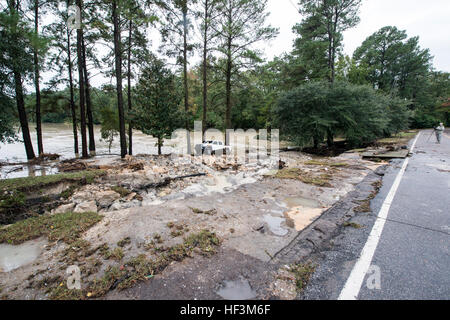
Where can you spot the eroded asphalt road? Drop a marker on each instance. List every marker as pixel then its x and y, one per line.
pixel 413 251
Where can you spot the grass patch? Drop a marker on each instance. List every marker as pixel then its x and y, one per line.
pixel 76 250
pixel 121 190
pixel 117 254
pixel 207 212
pixel 62 293
pixel 141 268
pixel 176 230
pixel 35 183
pixel 352 225
pixel 107 253
pixel 364 207
pixel 124 242
pixel 12 199
pixel 326 163
pixel 67 227
pixel 289 173
pixel 66 194
pixel 401 137
pixel 321 180
pixel 302 274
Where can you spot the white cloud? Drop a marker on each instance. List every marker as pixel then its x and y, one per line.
pixel 427 19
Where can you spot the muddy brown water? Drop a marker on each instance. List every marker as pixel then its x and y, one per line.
pixel 58 138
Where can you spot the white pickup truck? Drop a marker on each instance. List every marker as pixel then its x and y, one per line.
pixel 212 147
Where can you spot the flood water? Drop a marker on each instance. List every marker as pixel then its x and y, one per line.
pixel 58 138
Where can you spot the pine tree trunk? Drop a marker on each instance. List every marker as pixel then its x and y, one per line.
pixel 84 149
pixel 228 93
pixel 185 79
pixel 36 83
pixel 118 65
pixel 18 87
pixel 88 103
pixel 72 99
pixel 23 116
pixel 315 142
pixel 333 47
pixel 330 138
pixel 160 142
pixel 130 123
pixel 228 78
pixel 205 66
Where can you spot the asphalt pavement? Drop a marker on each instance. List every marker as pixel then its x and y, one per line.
pixel 412 256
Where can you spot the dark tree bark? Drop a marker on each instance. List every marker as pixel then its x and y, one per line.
pixel 118 67
pixel 205 67
pixel 160 143
pixel 228 83
pixel 23 115
pixel 185 75
pixel 36 83
pixel 130 123
pixel 72 99
pixel 330 138
pixel 84 149
pixel 18 88
pixel 87 89
pixel 315 142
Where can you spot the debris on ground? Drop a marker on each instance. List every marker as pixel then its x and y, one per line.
pixel 137 238
pixel 386 154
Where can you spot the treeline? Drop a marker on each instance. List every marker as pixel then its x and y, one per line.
pixel 388 85
pixel 313 94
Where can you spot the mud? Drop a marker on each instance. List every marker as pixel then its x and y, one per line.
pixel 254 214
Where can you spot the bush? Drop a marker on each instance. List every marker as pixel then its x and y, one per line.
pixel 319 110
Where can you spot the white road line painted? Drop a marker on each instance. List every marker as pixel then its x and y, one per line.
pixel 356 278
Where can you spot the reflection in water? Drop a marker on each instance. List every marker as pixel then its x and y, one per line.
pixel 9 172
pixel 275 225
pixel 237 290
pixel 58 138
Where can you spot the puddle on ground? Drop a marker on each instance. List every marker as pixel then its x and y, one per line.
pixel 236 290
pixel 299 201
pixel 13 257
pixel 217 183
pixel 20 171
pixel 302 211
pixel 274 224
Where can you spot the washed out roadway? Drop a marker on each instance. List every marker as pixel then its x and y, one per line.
pixel 413 251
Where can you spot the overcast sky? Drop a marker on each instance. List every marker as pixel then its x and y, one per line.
pixel 428 19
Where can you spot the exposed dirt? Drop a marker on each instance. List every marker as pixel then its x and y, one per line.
pixel 149 209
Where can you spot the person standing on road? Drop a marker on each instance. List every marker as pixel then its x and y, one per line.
pixel 439 130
